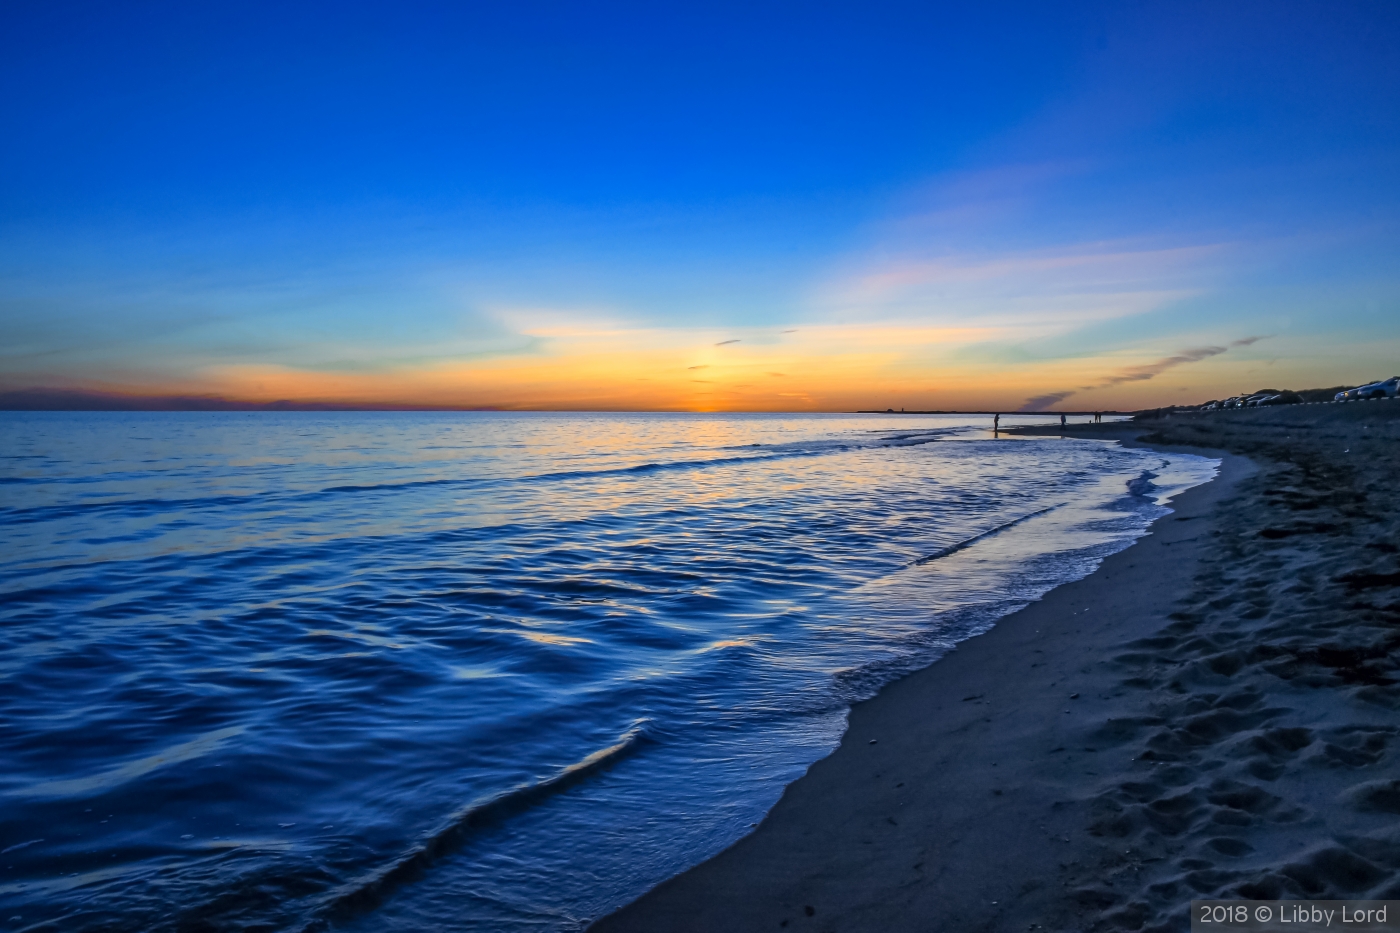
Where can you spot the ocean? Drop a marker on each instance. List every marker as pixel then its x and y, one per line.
pixel 444 671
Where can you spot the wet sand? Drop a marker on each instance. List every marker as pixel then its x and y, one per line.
pixel 1211 713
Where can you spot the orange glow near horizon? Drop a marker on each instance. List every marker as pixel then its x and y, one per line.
pixel 815 368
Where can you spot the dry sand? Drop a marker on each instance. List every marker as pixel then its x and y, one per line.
pixel 1211 713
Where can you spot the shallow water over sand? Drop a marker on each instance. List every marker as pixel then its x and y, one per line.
pixel 402 671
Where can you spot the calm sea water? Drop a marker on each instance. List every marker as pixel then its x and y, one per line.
pixel 483 671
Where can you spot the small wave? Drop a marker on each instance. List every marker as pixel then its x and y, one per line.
pixel 655 467
pixel 22 845
pixel 953 549
pixel 115 777
pixel 367 892
pixel 921 437
pixel 1142 484
pixel 415 484
pixel 25 515
pixel 920 649
pixel 638 469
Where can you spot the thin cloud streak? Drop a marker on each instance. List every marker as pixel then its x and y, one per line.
pixel 1042 402
pixel 1141 373
pixel 1046 291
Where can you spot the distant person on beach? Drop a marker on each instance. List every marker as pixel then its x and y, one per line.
pixel 1062 421
pixel 996 422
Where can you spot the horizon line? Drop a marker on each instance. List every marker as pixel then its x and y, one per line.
pixel 90 400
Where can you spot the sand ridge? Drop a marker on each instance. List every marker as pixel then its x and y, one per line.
pixel 1212 713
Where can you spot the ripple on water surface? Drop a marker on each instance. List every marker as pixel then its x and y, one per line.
pixel 400 671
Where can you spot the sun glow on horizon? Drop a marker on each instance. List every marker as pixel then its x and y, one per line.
pixel 923 210
pixel 816 368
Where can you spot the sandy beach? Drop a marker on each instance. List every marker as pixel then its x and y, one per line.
pixel 1211 713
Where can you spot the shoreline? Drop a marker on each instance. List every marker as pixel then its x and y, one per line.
pixel 1153 732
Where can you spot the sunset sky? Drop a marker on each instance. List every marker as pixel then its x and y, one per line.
pixel 759 206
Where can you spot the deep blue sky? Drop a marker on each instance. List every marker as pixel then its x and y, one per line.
pixel 178 107
pixel 500 204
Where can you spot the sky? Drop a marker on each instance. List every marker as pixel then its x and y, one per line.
pixel 794 207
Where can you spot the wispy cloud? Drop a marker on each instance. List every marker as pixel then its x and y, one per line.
pixel 1150 370
pixel 973 248
pixel 725 343
pixel 1045 291
pixel 1140 373
pixel 1042 402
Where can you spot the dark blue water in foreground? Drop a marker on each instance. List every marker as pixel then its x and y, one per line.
pixel 475 671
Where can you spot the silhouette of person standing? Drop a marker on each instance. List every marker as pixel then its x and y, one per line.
pixel 1062 421
pixel 996 423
